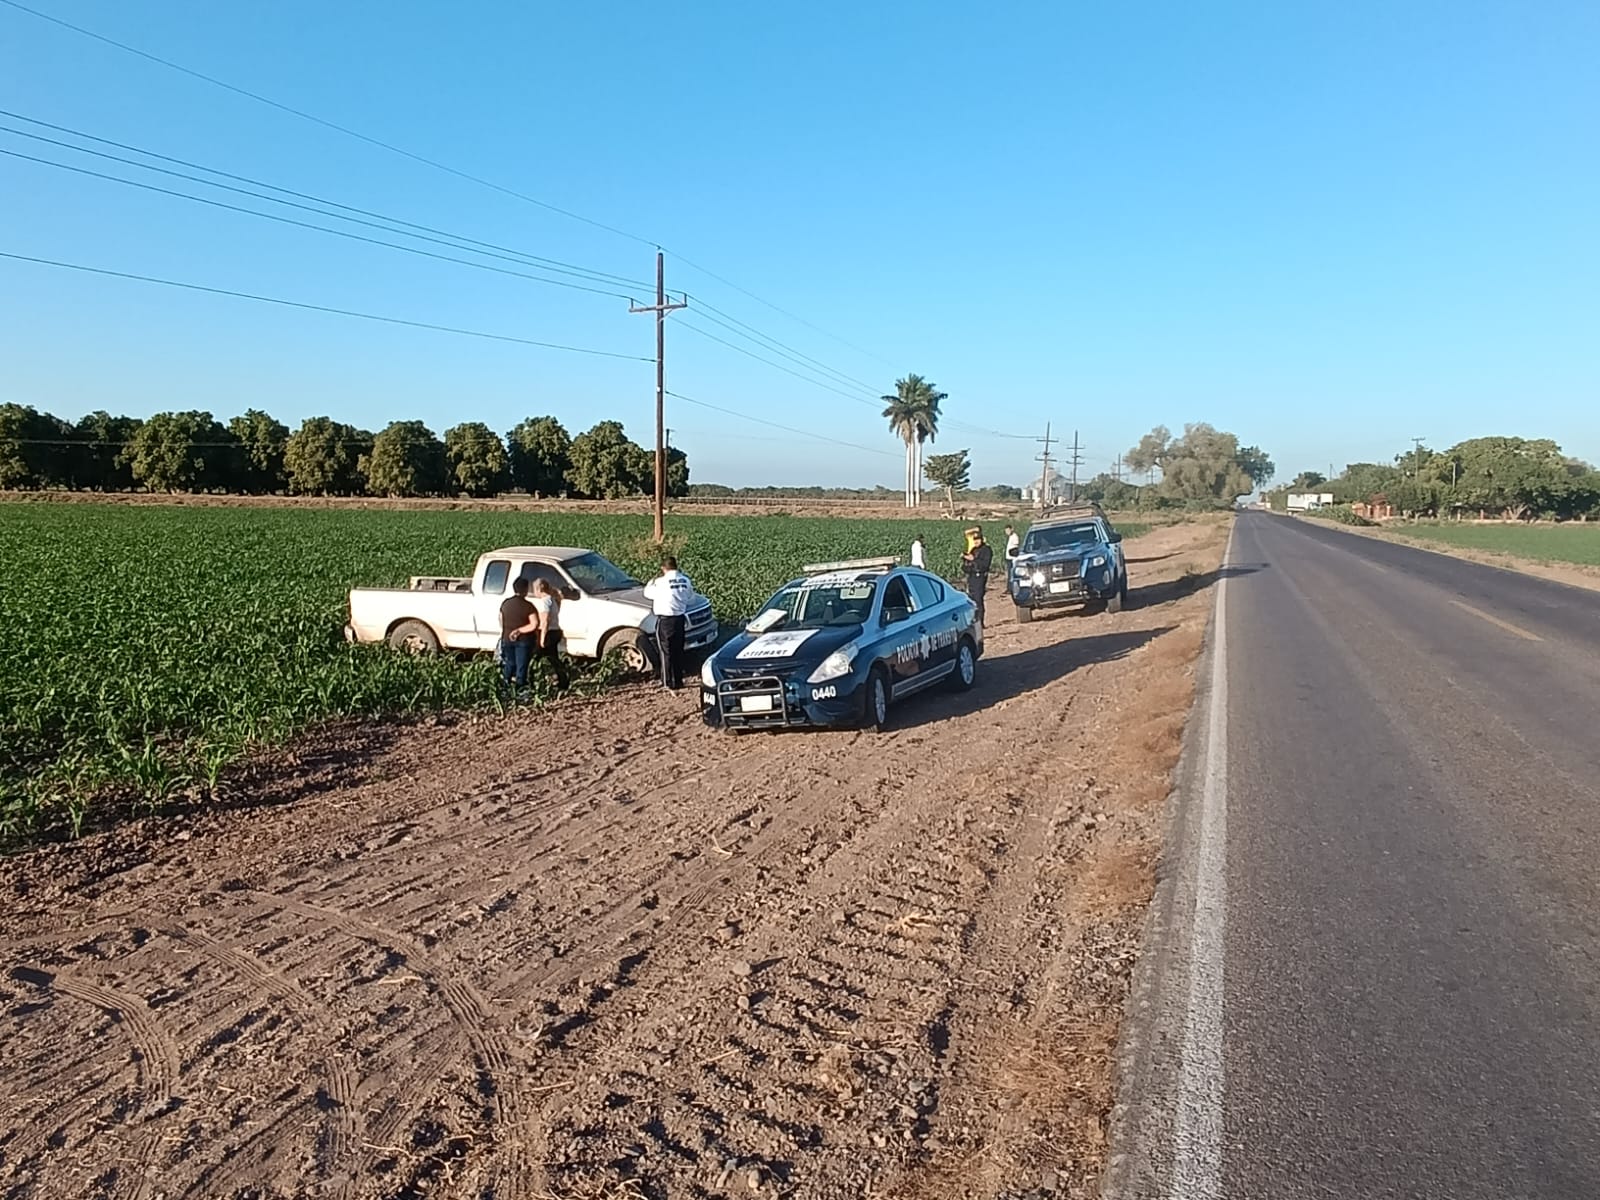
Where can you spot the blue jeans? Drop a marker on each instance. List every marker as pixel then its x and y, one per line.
pixel 514 656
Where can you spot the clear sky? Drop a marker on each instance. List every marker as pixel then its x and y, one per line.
pixel 1328 227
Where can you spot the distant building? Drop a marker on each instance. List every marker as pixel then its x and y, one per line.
pixel 1049 488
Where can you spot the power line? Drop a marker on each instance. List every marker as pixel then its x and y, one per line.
pixel 430 162
pixel 282 220
pixel 551 264
pixel 702 304
pixel 322 308
pixel 779 366
pixel 316 120
pixel 775 425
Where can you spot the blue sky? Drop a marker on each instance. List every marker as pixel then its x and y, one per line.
pixel 1326 227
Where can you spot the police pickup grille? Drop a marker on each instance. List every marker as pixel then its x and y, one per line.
pixel 1065 570
pixel 698 619
pixel 753 701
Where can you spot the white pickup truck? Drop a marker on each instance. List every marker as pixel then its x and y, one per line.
pixel 603 608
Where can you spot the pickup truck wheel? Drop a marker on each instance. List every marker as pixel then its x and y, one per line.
pixel 1114 603
pixel 961 679
pixel 1024 615
pixel 634 649
pixel 414 638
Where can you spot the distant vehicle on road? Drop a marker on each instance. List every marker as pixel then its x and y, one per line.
pixel 603 608
pixel 839 645
pixel 1071 557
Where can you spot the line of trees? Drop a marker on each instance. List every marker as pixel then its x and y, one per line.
pixel 1510 478
pixel 255 454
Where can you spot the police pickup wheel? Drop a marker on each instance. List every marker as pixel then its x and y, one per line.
pixel 1024 614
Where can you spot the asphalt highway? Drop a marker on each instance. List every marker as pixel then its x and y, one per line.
pixel 1373 964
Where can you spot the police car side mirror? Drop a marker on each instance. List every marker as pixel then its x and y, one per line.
pixel 1114 538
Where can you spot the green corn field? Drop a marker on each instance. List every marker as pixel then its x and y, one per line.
pixel 147 647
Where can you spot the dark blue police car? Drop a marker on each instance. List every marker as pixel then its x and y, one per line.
pixel 838 646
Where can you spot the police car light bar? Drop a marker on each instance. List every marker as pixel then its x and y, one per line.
pixel 852 564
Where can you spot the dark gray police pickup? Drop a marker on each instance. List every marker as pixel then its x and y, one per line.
pixel 1070 556
pixel 837 646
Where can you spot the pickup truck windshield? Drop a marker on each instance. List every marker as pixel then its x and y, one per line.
pixel 1059 537
pixel 813 606
pixel 595 574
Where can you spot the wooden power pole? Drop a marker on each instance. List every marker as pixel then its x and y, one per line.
pixel 1042 500
pixel 661 308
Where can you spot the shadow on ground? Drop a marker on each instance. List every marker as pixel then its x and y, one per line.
pixel 1006 676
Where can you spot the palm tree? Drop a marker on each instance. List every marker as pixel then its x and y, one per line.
pixel 913 416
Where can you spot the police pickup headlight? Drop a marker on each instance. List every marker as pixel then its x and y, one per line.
pixel 706 677
pixel 1095 560
pixel 836 664
pixel 1038 579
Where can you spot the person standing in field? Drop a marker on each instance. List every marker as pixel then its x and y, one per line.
pixel 547 614
pixel 1013 544
pixel 977 562
pixel 671 596
pixel 916 551
pixel 517 616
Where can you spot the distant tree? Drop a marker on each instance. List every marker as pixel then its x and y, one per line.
pixel 677 471
pixel 476 458
pixel 1151 452
pixel 407 459
pixel 1202 465
pixel 262 442
pixel 99 464
pixel 710 489
pixel 35 448
pixel 949 471
pixel 181 452
pixel 606 465
pixel 912 411
pixel 1253 461
pixel 323 458
pixel 541 454
pixel 1110 491
pixel 1307 480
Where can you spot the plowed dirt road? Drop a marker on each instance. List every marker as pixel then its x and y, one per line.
pixel 602 951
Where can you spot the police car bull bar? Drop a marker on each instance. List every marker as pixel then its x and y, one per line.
pixel 753 700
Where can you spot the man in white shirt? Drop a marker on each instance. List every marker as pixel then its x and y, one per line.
pixel 916 551
pixel 1013 543
pixel 671 595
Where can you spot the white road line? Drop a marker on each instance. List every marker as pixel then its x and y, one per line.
pixel 1197 1153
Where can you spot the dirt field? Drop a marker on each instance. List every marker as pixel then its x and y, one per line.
pixel 602 951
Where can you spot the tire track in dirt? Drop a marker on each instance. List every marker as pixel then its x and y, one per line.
pixel 344 1131
pixel 157 1063
pixel 499 1080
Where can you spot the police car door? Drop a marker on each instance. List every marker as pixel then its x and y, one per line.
pixel 901 641
pixel 938 623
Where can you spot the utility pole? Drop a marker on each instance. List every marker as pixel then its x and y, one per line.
pixel 1116 469
pixel 1076 459
pixel 661 308
pixel 1044 474
pixel 1416 458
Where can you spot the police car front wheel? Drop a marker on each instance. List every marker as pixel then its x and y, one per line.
pixel 966 666
pixel 875 702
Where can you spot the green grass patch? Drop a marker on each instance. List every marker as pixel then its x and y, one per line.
pixel 146 648
pixel 1568 543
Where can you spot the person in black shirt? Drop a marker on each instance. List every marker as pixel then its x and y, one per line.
pixel 517 617
pixel 977 562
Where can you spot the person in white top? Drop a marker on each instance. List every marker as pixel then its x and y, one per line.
pixel 547 612
pixel 1013 543
pixel 671 595
pixel 916 551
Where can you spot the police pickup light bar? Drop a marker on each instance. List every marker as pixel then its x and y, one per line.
pixel 853 564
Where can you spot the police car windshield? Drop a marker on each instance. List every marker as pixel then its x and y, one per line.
pixel 824 601
pixel 595 574
pixel 1059 537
